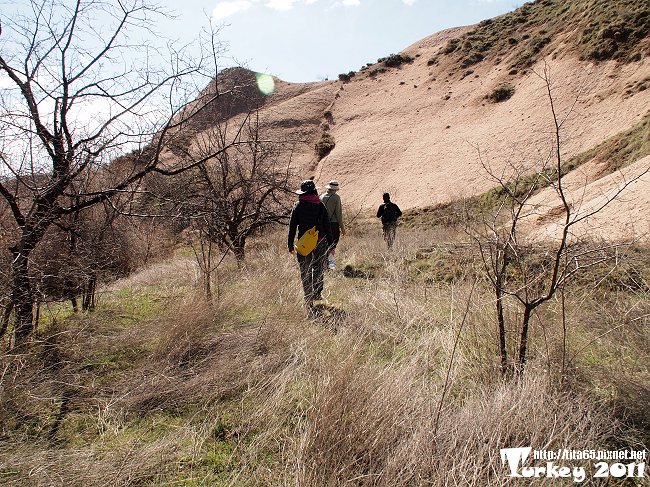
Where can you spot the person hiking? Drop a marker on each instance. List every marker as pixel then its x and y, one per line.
pixel 332 202
pixel 389 212
pixel 307 213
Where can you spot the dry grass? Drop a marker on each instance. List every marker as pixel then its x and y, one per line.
pixel 158 387
pixel 378 428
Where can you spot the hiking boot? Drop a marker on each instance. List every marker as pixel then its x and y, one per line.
pixel 331 263
pixel 314 311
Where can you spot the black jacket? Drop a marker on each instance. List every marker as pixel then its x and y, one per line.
pixel 306 215
pixel 389 212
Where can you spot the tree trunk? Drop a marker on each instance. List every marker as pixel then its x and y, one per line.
pixel 93 293
pixel 207 281
pixel 5 318
pixel 503 351
pixel 37 317
pixel 22 296
pixel 239 250
pixel 85 297
pixel 523 342
pixel 207 269
pixel 88 300
pixel 208 286
pixel 500 275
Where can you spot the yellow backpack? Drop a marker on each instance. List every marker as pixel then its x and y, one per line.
pixel 307 243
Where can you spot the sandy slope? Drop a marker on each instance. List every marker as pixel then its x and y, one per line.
pixel 621 200
pixel 427 134
pixel 398 133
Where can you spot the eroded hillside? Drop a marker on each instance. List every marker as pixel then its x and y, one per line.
pixel 425 124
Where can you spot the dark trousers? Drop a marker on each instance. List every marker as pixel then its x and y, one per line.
pixel 312 268
pixel 336 234
pixel 390 229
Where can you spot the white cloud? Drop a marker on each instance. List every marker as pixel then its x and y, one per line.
pixel 409 2
pixel 289 4
pixel 281 4
pixel 351 3
pixel 226 9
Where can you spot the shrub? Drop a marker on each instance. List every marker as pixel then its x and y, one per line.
pixel 525 59
pixel 501 93
pixel 539 42
pixel 395 60
pixel 325 145
pixel 451 46
pixel 473 58
pixel 345 77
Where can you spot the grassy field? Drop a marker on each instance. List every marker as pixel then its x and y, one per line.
pixel 397 384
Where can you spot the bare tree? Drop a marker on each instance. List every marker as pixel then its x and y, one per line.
pixel 241 190
pixel 533 274
pixel 86 83
pixel 94 248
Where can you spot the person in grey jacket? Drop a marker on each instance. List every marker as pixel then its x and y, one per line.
pixel 332 202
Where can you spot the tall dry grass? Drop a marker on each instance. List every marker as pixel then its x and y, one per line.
pixel 399 385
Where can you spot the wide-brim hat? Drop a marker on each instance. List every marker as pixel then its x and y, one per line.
pixel 333 184
pixel 306 186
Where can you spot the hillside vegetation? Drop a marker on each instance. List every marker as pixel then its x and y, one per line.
pixel 397 384
pixel 598 29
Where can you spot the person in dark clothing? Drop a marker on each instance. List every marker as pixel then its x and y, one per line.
pixel 389 212
pixel 307 213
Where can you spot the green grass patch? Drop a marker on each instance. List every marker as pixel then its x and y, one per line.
pixel 115 360
pixel 386 352
pixel 184 251
pixel 365 269
pixel 216 460
pixel 138 304
pixel 51 313
pixel 78 430
pixel 447 263
pixel 618 151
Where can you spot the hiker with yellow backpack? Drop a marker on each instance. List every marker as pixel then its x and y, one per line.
pixel 310 219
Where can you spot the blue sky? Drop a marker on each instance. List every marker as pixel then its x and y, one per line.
pixel 308 40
